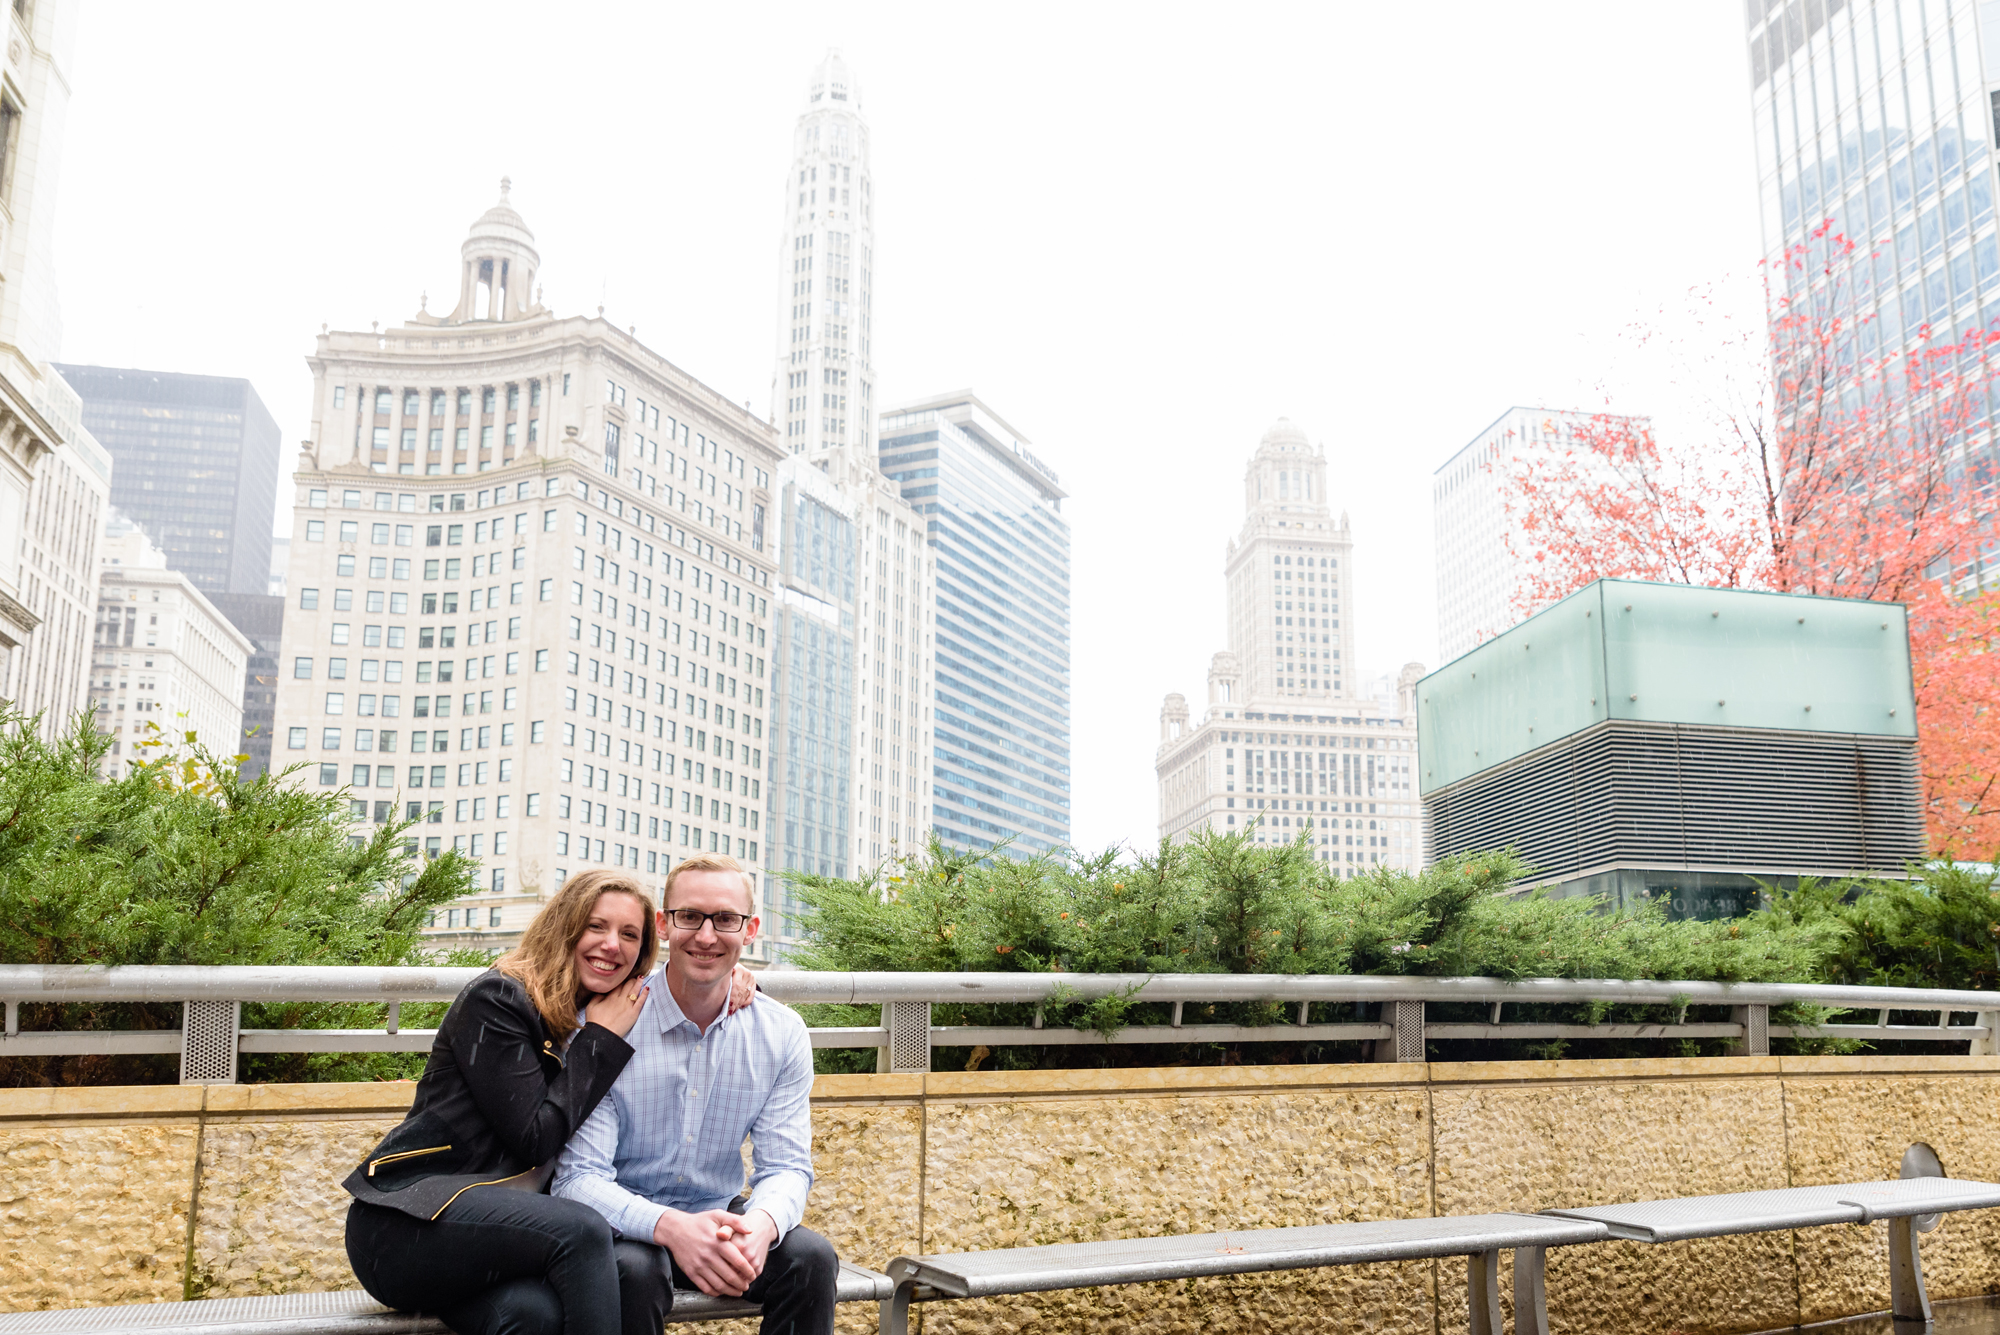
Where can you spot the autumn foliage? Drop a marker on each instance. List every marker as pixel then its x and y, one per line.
pixel 1839 473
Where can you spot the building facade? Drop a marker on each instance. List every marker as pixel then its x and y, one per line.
pixel 1478 568
pixel 823 387
pixel 53 478
pixel 196 459
pixel 992 517
pixel 1877 123
pixel 261 618
pixel 167 662
pixel 528 597
pixel 1291 742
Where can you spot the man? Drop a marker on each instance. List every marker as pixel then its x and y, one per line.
pixel 662 1156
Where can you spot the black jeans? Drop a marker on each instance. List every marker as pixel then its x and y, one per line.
pixel 796 1288
pixel 498 1262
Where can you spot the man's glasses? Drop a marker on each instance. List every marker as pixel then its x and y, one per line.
pixel 690 920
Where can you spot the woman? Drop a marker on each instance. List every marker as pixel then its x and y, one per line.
pixel 448 1215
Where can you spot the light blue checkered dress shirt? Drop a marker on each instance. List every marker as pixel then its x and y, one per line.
pixel 671 1131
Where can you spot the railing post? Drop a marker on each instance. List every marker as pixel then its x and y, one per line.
pixel 1988 1043
pixel 1406 1042
pixel 909 1025
pixel 208 1041
pixel 1756 1022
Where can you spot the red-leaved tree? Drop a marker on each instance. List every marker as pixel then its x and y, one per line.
pixel 1837 473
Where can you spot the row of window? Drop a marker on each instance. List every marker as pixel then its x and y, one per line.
pixel 625 856
pixel 461 438
pixel 317 498
pixel 421 740
pixel 425 706
pixel 413 399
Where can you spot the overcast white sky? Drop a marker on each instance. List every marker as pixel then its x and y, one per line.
pixel 1141 232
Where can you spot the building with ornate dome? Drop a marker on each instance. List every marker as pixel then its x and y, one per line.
pixel 1288 745
pixel 529 593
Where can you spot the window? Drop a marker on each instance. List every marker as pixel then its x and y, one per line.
pixel 315 530
pixel 302 669
pixel 309 600
pixel 295 739
pixel 329 776
pixel 336 702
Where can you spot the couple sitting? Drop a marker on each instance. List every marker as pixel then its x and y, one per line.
pixel 449 1214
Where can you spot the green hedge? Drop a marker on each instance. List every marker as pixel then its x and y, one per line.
pixel 1223 903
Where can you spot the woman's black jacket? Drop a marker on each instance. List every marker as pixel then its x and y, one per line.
pixel 499 1098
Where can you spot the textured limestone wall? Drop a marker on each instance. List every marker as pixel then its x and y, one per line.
pixel 94 1188
pixel 1025 1159
pixel 133 1195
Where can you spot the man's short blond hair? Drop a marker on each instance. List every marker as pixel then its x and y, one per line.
pixel 711 862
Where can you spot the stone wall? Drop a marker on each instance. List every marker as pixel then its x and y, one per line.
pixel 145 1194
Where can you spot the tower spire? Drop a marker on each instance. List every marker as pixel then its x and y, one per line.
pixel 823 382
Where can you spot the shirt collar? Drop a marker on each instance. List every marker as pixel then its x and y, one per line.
pixel 670 1013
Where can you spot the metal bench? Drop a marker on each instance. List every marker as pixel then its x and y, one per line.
pixel 350 1312
pixel 1478 1238
pixel 1911 1205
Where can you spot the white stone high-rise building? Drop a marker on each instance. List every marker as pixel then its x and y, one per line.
pixel 529 593
pixel 165 656
pixel 1478 569
pixel 54 479
pixel 1289 743
pixel 823 387
pixel 852 658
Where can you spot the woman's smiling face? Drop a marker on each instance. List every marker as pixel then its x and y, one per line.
pixel 610 942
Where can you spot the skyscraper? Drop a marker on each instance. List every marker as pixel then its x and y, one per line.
pixel 849 769
pixel 529 593
pixel 1478 573
pixel 1290 741
pixel 993 519
pixel 168 659
pixel 1876 116
pixel 823 388
pixel 54 479
pixel 197 467
pixel 261 619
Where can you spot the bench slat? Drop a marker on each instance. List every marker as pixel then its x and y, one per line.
pixel 1786 1207
pixel 347 1312
pixel 1139 1260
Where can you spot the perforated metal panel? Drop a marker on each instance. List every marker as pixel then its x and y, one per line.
pixel 208 1042
pixel 909 1035
pixel 1408 1018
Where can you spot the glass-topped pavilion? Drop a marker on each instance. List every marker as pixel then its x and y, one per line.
pixel 1652 740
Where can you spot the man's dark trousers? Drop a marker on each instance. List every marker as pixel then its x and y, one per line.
pixel 796 1288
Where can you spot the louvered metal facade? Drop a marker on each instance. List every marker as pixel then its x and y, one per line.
pixel 1629 794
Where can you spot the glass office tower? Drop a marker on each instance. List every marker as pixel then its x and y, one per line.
pixel 1874 120
pixel 813 618
pixel 994 518
pixel 195 464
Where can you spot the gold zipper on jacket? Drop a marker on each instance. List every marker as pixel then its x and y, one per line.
pixel 525 1172
pixel 406 1154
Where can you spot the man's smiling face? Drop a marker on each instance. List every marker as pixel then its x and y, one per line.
pixel 704 957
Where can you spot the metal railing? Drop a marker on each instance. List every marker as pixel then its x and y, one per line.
pixel 211 1035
